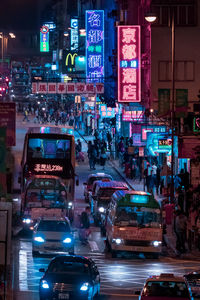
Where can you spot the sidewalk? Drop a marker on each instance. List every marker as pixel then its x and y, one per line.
pixel 170 237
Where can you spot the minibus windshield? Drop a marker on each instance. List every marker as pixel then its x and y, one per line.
pixel 137 217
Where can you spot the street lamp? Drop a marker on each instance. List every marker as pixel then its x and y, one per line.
pixel 4 42
pixel 150 17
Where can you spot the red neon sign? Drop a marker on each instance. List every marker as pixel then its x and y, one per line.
pixel 129 66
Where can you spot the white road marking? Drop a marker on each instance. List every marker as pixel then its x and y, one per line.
pixel 23 286
pixel 93 246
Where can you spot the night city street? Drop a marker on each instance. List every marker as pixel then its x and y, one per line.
pixel 99 149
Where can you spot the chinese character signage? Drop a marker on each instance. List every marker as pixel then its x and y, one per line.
pixel 129 64
pixel 95 45
pixel 8 120
pixel 44 39
pixel 74 34
pixel 134 115
pixel 106 112
pixel 67 88
pixel 47 168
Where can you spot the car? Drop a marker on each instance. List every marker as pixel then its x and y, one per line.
pixel 100 198
pixel 91 178
pixel 165 286
pixel 70 277
pixel 193 280
pixel 52 235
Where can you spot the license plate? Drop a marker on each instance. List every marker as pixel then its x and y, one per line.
pixel 138 249
pixel 63 296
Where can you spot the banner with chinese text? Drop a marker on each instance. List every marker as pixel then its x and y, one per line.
pixel 67 88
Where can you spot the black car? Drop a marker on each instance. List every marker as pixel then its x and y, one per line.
pixel 193 279
pixel 70 277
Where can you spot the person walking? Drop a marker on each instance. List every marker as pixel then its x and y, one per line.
pixel 25 115
pixel 103 157
pixel 85 225
pixel 180 230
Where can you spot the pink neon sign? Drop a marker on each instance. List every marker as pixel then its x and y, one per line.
pixel 129 66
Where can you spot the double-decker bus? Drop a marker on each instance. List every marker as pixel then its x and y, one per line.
pixel 49 151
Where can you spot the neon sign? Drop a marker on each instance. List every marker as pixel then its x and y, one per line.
pixel 44 39
pixel 152 128
pixel 74 34
pixel 134 115
pixel 106 112
pixel 95 45
pixel 47 168
pixel 129 66
pixel 196 124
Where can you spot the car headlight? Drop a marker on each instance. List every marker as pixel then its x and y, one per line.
pixel 39 239
pixel 101 209
pixel 44 284
pixel 117 241
pixel 27 221
pixel 67 240
pixel 156 243
pixel 84 287
pixel 70 204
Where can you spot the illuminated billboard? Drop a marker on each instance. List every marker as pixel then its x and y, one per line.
pixel 129 64
pixel 44 39
pixel 94 45
pixel 74 34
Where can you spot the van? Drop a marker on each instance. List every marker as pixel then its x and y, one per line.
pixel 133 223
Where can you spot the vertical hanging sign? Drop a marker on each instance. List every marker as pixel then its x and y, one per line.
pixel 129 64
pixel 44 39
pixel 74 34
pixel 95 45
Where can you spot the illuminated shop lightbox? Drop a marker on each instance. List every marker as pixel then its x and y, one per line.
pixel 44 39
pixel 161 143
pixel 74 34
pixel 94 45
pixel 129 64
pixel 152 128
pixel 106 112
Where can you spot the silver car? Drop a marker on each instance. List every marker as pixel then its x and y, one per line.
pixel 52 235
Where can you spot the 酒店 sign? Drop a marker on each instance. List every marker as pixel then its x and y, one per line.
pixel 67 88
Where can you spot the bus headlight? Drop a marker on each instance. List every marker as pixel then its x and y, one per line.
pixel 70 204
pixel 118 241
pixel 101 209
pixel 156 243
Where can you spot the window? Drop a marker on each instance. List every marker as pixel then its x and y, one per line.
pixel 184 71
pixel 184 12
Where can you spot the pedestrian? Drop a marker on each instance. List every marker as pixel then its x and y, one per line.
pixel 84 231
pixel 103 157
pixel 25 115
pixel 92 154
pixel 180 230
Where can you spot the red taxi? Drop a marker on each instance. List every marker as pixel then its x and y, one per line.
pixel 90 180
pixel 165 287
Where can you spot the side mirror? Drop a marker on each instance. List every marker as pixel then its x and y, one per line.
pixel 42 270
pixel 137 293
pixel 77 182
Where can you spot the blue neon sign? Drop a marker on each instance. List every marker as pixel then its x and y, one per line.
pixel 95 45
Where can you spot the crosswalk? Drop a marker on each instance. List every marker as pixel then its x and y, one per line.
pixel 121 275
